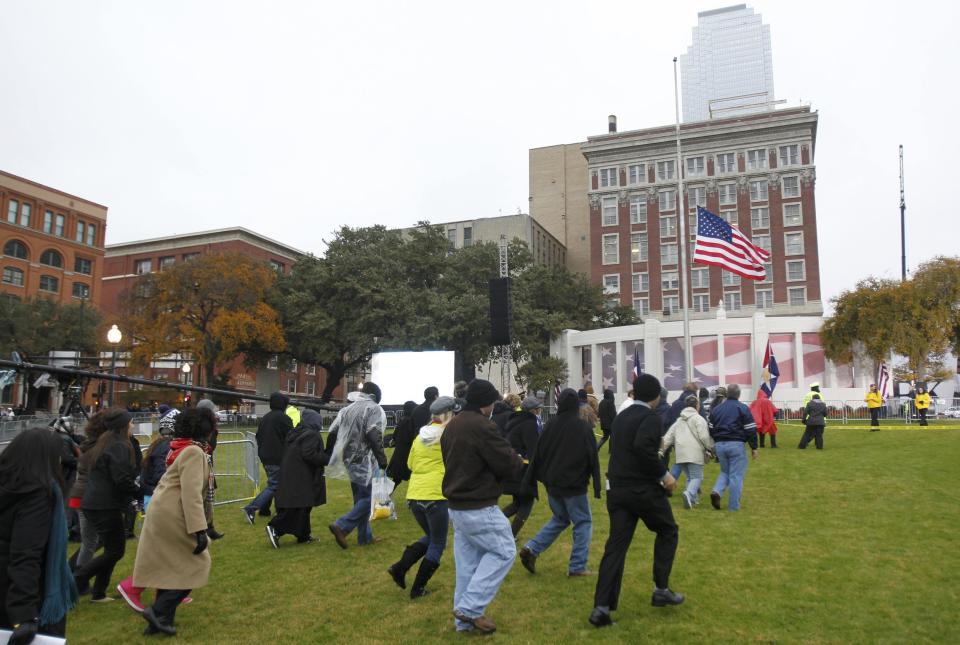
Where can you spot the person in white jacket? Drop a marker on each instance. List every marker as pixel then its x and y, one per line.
pixel 692 438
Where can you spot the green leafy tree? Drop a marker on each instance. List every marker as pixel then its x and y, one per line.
pixel 339 310
pixel 37 326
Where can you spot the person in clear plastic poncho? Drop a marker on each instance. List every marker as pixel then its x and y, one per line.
pixel 357 437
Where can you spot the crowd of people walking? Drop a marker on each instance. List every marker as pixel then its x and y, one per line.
pixel 458 454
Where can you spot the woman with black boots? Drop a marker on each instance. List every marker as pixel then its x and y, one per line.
pixel 172 556
pixel 426 501
pixel 36 588
pixel 111 487
pixel 302 484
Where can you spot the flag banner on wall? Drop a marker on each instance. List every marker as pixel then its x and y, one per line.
pixel 883 380
pixel 723 245
pixel 636 362
pixel 770 372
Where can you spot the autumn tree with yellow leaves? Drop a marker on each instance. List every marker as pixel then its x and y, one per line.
pixel 213 308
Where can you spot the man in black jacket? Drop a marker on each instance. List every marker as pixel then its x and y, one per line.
pixel 565 459
pixel 271 441
pixel 638 484
pixel 607 413
pixel 476 460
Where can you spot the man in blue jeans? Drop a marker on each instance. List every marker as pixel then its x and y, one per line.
pixel 731 426
pixel 271 440
pixel 565 459
pixel 477 459
pixel 357 449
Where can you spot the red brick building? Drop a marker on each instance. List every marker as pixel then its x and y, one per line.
pixel 755 171
pixel 52 242
pixel 125 262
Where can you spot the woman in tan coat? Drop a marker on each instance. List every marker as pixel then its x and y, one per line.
pixel 172 555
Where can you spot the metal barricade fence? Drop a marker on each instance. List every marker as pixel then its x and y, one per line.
pixel 236 467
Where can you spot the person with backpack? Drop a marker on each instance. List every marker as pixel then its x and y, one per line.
pixel 691 436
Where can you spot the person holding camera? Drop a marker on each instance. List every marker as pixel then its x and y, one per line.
pixel 172 555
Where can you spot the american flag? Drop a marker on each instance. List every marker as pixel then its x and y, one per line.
pixel 720 244
pixel 883 380
pixel 556 392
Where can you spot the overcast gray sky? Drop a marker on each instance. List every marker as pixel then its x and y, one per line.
pixel 294 118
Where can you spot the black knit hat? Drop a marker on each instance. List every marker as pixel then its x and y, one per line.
pixel 117 419
pixel 481 393
pixel 372 389
pixel 646 387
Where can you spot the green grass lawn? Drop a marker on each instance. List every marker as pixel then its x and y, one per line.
pixel 854 544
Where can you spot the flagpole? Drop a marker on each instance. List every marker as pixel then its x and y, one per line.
pixel 684 242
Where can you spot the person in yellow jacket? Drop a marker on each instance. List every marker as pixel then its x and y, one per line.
pixel 923 404
pixel 814 389
pixel 426 501
pixel 874 402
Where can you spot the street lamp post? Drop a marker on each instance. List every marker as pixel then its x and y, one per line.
pixel 186 374
pixel 114 337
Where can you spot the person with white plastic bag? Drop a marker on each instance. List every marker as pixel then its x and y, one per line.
pixel 358 451
pixel 381 504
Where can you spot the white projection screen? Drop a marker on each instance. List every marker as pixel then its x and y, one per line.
pixel 403 376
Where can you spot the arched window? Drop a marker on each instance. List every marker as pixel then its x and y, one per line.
pixel 49 283
pixel 13 275
pixel 16 249
pixel 51 258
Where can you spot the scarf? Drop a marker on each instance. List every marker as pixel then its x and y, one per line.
pixel 177 446
pixel 59 589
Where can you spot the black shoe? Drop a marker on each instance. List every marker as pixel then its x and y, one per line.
pixel 272 536
pixel 424 573
pixel 158 623
pixel 600 618
pixel 150 630
pixel 715 500
pixel 306 540
pixel 214 534
pixel 249 516
pixel 528 559
pixel 664 597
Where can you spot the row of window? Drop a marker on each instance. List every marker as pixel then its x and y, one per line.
pixel 311 387
pixel 696 196
pixel 759 218
pixel 796 297
pixel 50 257
pixel 53 223
pixel 142 267
pixel 51 284
pixel 669 251
pixel 310 369
pixel 725 163
pixel 796 271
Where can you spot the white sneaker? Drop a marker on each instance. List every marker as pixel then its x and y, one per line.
pixel 687 502
pixel 272 535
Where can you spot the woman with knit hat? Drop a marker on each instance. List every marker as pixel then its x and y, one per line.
pixel 111 487
pixel 426 501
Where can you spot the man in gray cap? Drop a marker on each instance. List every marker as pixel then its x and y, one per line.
pixel 476 461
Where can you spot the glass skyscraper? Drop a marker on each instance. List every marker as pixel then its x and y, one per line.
pixel 730 56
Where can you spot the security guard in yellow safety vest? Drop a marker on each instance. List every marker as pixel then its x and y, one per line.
pixel 814 389
pixel 923 404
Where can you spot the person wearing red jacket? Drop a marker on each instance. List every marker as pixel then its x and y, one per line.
pixel 764 413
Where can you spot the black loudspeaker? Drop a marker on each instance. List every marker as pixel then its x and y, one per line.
pixel 501 311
